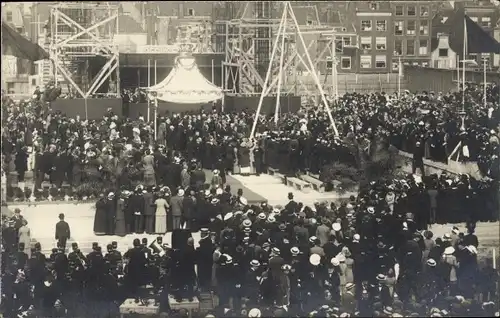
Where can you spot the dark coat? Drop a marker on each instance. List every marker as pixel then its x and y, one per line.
pixel 62 230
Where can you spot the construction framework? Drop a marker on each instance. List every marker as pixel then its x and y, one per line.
pixel 288 22
pixel 242 68
pixel 80 31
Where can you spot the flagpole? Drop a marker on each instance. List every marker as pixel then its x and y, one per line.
pixel 484 80
pixel 463 74
pixel 156 101
pixel 463 64
pixel 400 73
pixel 149 85
pixel 213 74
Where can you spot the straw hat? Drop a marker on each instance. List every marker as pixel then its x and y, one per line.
pixel 315 259
pixel 335 261
pixel 449 250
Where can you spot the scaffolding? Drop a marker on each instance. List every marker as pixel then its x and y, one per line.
pixel 80 33
pixel 246 40
pixel 279 44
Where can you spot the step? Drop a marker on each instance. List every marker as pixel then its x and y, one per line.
pixel 315 183
pixel 298 184
pixel 272 171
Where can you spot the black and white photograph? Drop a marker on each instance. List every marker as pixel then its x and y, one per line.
pixel 210 159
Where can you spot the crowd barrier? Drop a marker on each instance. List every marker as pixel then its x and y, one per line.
pixel 92 108
pixel 134 110
pixel 241 103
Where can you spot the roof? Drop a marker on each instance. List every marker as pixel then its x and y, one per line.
pixel 452 23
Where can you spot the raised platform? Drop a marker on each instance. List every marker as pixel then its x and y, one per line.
pixel 185 304
pixel 130 307
pixel 431 167
pixel 251 196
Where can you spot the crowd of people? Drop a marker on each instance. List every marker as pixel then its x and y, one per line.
pixel 374 255
pixel 370 256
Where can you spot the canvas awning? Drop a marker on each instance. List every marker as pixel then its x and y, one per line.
pixel 186 85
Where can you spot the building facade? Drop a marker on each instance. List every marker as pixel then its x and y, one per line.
pixel 390 31
pixel 486 15
pixel 15 71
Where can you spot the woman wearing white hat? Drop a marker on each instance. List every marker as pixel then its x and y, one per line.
pixel 161 214
pixel 450 260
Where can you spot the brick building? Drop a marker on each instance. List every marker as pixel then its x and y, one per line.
pixel 392 30
pixel 486 15
pixel 447 38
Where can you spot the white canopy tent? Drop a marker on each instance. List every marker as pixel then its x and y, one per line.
pixel 185 84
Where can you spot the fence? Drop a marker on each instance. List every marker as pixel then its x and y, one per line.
pixel 349 83
pixel 442 80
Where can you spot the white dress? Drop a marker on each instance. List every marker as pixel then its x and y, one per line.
pixel 161 216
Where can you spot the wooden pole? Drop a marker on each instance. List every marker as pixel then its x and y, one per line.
pixel 268 75
pixel 484 81
pixel 213 70
pixel 280 73
pixel 156 104
pixel 149 85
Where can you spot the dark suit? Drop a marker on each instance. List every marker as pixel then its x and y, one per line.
pixel 149 212
pixel 204 261
pixel 62 233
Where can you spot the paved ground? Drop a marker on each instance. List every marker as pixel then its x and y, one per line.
pixel 42 218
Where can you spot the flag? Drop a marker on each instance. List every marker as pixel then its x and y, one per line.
pixel 17 45
pixel 478 40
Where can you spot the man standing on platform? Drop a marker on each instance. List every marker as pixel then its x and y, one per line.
pixel 176 209
pixel 62 232
pixel 205 260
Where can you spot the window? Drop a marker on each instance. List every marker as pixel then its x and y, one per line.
pixel 345 62
pixel 398 27
pixel 412 11
pixel 381 43
pixel 366 43
pixel 475 19
pixel 381 61
pixel 366 61
pixel 191 12
pixel 424 11
pixel 410 47
pixel 373 5
pixel 399 10
pixel 411 27
pixel 486 22
pixel 329 65
pixel 443 52
pixel 398 47
pixel 366 25
pixel 381 26
pixel 395 65
pixel 424 27
pixel 8 16
pixel 346 40
pixel 339 47
pixel 309 22
pixel 33 81
pixel 422 48
pixel 485 60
